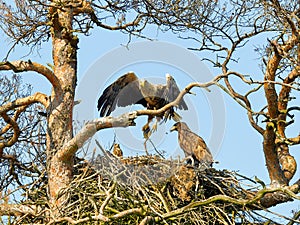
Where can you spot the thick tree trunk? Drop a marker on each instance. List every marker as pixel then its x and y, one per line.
pixel 275 172
pixel 269 145
pixel 281 165
pixel 60 129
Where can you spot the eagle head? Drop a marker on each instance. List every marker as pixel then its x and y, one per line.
pixel 169 77
pixel 176 126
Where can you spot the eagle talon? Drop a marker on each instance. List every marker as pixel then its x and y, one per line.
pixel 147 134
pixel 146 131
pixel 190 160
pixel 154 127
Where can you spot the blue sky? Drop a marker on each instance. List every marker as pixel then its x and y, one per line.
pixel 241 146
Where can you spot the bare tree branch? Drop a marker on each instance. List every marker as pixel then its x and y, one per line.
pixel 256 199
pixel 18 210
pixel 15 136
pixel 176 102
pixel 23 66
pixel 91 128
pixel 134 23
pixel 15 117
pixel 294 140
pixel 36 98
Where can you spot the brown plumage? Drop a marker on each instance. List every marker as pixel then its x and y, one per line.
pixel 193 145
pixel 129 89
pixel 117 151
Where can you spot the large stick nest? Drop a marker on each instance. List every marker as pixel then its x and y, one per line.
pixel 149 190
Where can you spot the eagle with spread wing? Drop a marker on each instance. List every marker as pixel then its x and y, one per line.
pixel 193 145
pixel 129 89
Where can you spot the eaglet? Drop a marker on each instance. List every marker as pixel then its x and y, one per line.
pixel 193 145
pixel 129 89
pixel 117 151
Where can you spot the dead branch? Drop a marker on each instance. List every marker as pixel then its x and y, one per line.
pixel 92 127
pixel 72 221
pixel 176 102
pixel 15 136
pixel 134 23
pixel 140 211
pixel 23 66
pixel 286 83
pixel 242 202
pixel 18 210
pixel 146 220
pixel 294 140
pixel 36 98
pixel 15 117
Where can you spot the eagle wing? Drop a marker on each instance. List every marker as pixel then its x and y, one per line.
pixel 201 151
pixel 123 92
pixel 172 91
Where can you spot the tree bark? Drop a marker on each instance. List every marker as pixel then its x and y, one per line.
pixel 18 210
pixel 272 162
pixel 59 130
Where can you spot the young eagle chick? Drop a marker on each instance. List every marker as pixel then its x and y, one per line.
pixel 193 145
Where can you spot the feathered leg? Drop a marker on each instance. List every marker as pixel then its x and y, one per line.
pixel 146 128
pixel 147 132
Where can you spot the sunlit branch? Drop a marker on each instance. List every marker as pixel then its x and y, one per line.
pixel 283 100
pixel 17 209
pixel 91 128
pixel 36 98
pixel 258 196
pixel 15 117
pixel 294 140
pixel 23 66
pixel 176 102
pixel 15 136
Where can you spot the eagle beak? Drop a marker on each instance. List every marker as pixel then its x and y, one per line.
pixel 168 76
pixel 173 128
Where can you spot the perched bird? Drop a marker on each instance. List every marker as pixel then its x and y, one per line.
pixel 193 145
pixel 117 151
pixel 129 89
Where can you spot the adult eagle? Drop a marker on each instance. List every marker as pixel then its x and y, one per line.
pixel 129 89
pixel 193 145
